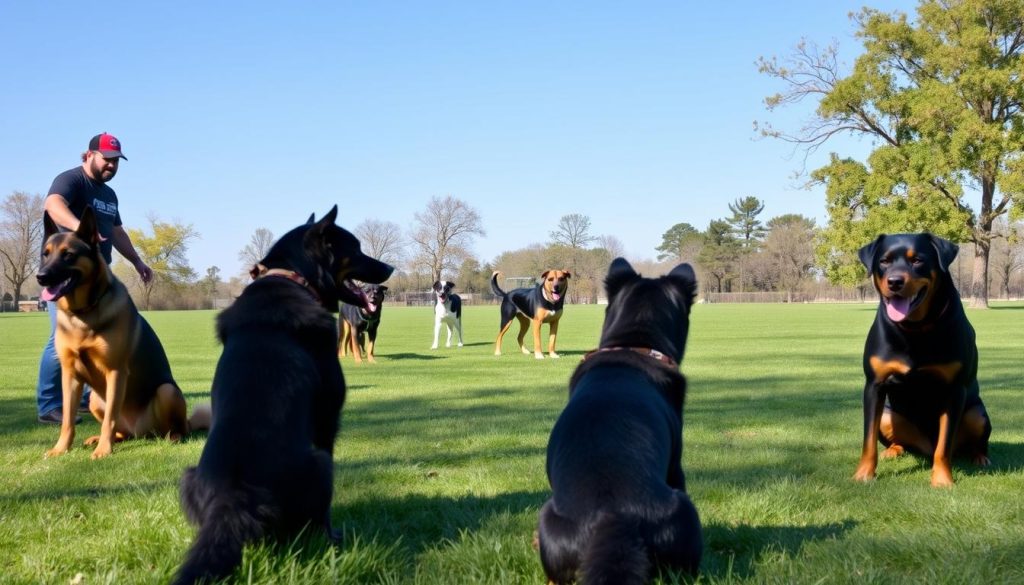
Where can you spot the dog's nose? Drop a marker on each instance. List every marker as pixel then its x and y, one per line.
pixel 896 283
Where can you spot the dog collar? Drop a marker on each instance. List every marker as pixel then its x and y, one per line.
pixel 647 351
pixel 259 271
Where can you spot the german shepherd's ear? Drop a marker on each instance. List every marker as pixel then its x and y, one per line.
pixel 867 253
pixel 49 227
pixel 684 276
pixel 87 230
pixel 620 272
pixel 319 228
pixel 947 251
pixel 312 218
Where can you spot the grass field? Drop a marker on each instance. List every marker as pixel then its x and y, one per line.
pixel 440 461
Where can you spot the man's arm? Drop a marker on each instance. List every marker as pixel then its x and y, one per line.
pixel 60 213
pixel 123 244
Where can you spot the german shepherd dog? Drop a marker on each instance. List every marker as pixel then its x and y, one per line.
pixel 267 467
pixel 619 505
pixel 358 325
pixel 103 341
pixel 538 305
pixel 920 362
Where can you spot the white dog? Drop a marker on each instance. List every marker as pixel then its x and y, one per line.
pixel 447 311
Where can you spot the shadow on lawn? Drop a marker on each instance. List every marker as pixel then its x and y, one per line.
pixel 732 551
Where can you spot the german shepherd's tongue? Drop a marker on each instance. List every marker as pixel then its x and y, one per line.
pixel 897 308
pixel 52 293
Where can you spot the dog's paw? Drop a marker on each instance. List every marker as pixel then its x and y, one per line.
pixel 433 347
pixel 539 356
pixel 55 452
pixel 524 350
pixel 460 344
pixel 101 451
pixel 942 477
pixel 864 473
pixel 981 460
pixel 91 440
pixel 892 452
pixel 554 355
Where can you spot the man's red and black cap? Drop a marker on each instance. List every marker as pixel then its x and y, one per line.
pixel 107 145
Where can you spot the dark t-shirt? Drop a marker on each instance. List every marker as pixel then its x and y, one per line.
pixel 80 191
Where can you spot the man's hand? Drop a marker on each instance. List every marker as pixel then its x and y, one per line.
pixel 145 272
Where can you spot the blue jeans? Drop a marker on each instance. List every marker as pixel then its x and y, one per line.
pixel 49 393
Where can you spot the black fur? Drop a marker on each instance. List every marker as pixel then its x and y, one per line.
pixel 619 504
pixel 267 467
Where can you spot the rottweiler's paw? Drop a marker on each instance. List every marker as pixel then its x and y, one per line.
pixel 893 452
pixel 981 460
pixel 864 474
pixel 55 452
pixel 942 478
pixel 103 450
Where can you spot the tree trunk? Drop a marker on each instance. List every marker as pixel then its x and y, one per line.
pixel 982 244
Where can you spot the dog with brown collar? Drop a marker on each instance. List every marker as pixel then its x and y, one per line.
pixel 538 305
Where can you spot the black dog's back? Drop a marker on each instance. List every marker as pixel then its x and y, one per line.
pixel 619 504
pixel 267 467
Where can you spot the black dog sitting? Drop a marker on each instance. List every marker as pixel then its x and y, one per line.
pixel 920 360
pixel 619 503
pixel 358 327
pixel 267 467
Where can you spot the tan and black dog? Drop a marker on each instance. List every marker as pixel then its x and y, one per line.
pixel 920 360
pixel 357 326
pixel 103 341
pixel 538 305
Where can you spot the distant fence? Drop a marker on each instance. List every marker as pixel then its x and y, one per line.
pixel 832 296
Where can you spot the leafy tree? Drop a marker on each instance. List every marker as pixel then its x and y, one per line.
pixel 681 243
pixel 744 221
pixel 382 240
pixel 719 254
pixel 443 233
pixel 21 235
pixel 259 244
pixel 941 98
pixel 166 252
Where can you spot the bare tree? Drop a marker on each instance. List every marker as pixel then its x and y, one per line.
pixel 442 234
pixel 259 244
pixel 21 235
pixel 613 245
pixel 573 230
pixel 382 240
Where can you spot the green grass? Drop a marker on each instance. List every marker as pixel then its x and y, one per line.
pixel 440 461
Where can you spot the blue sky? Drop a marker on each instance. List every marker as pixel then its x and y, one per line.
pixel 239 116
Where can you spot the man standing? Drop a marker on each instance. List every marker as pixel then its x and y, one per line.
pixel 72 191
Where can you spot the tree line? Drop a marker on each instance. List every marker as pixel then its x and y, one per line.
pixel 938 96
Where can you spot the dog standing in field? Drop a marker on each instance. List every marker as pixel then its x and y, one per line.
pixel 267 467
pixel 921 355
pixel 103 341
pixel 538 305
pixel 447 312
pixel 619 503
pixel 358 325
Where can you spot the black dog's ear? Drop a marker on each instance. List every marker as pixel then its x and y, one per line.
pixel 383 289
pixel 867 253
pixel 947 251
pixel 320 228
pixel 619 273
pixel 87 227
pixel 687 279
pixel 436 285
pixel 312 218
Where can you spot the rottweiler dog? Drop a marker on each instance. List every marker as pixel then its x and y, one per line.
pixel 267 468
pixel 103 341
pixel 537 305
pixel 921 357
pixel 358 327
pixel 447 312
pixel 619 505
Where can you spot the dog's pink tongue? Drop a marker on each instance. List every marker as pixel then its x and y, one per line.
pixel 47 294
pixel 555 296
pixel 897 308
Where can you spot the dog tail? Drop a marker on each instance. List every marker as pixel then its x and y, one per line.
pixel 227 519
pixel 616 553
pixel 494 285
